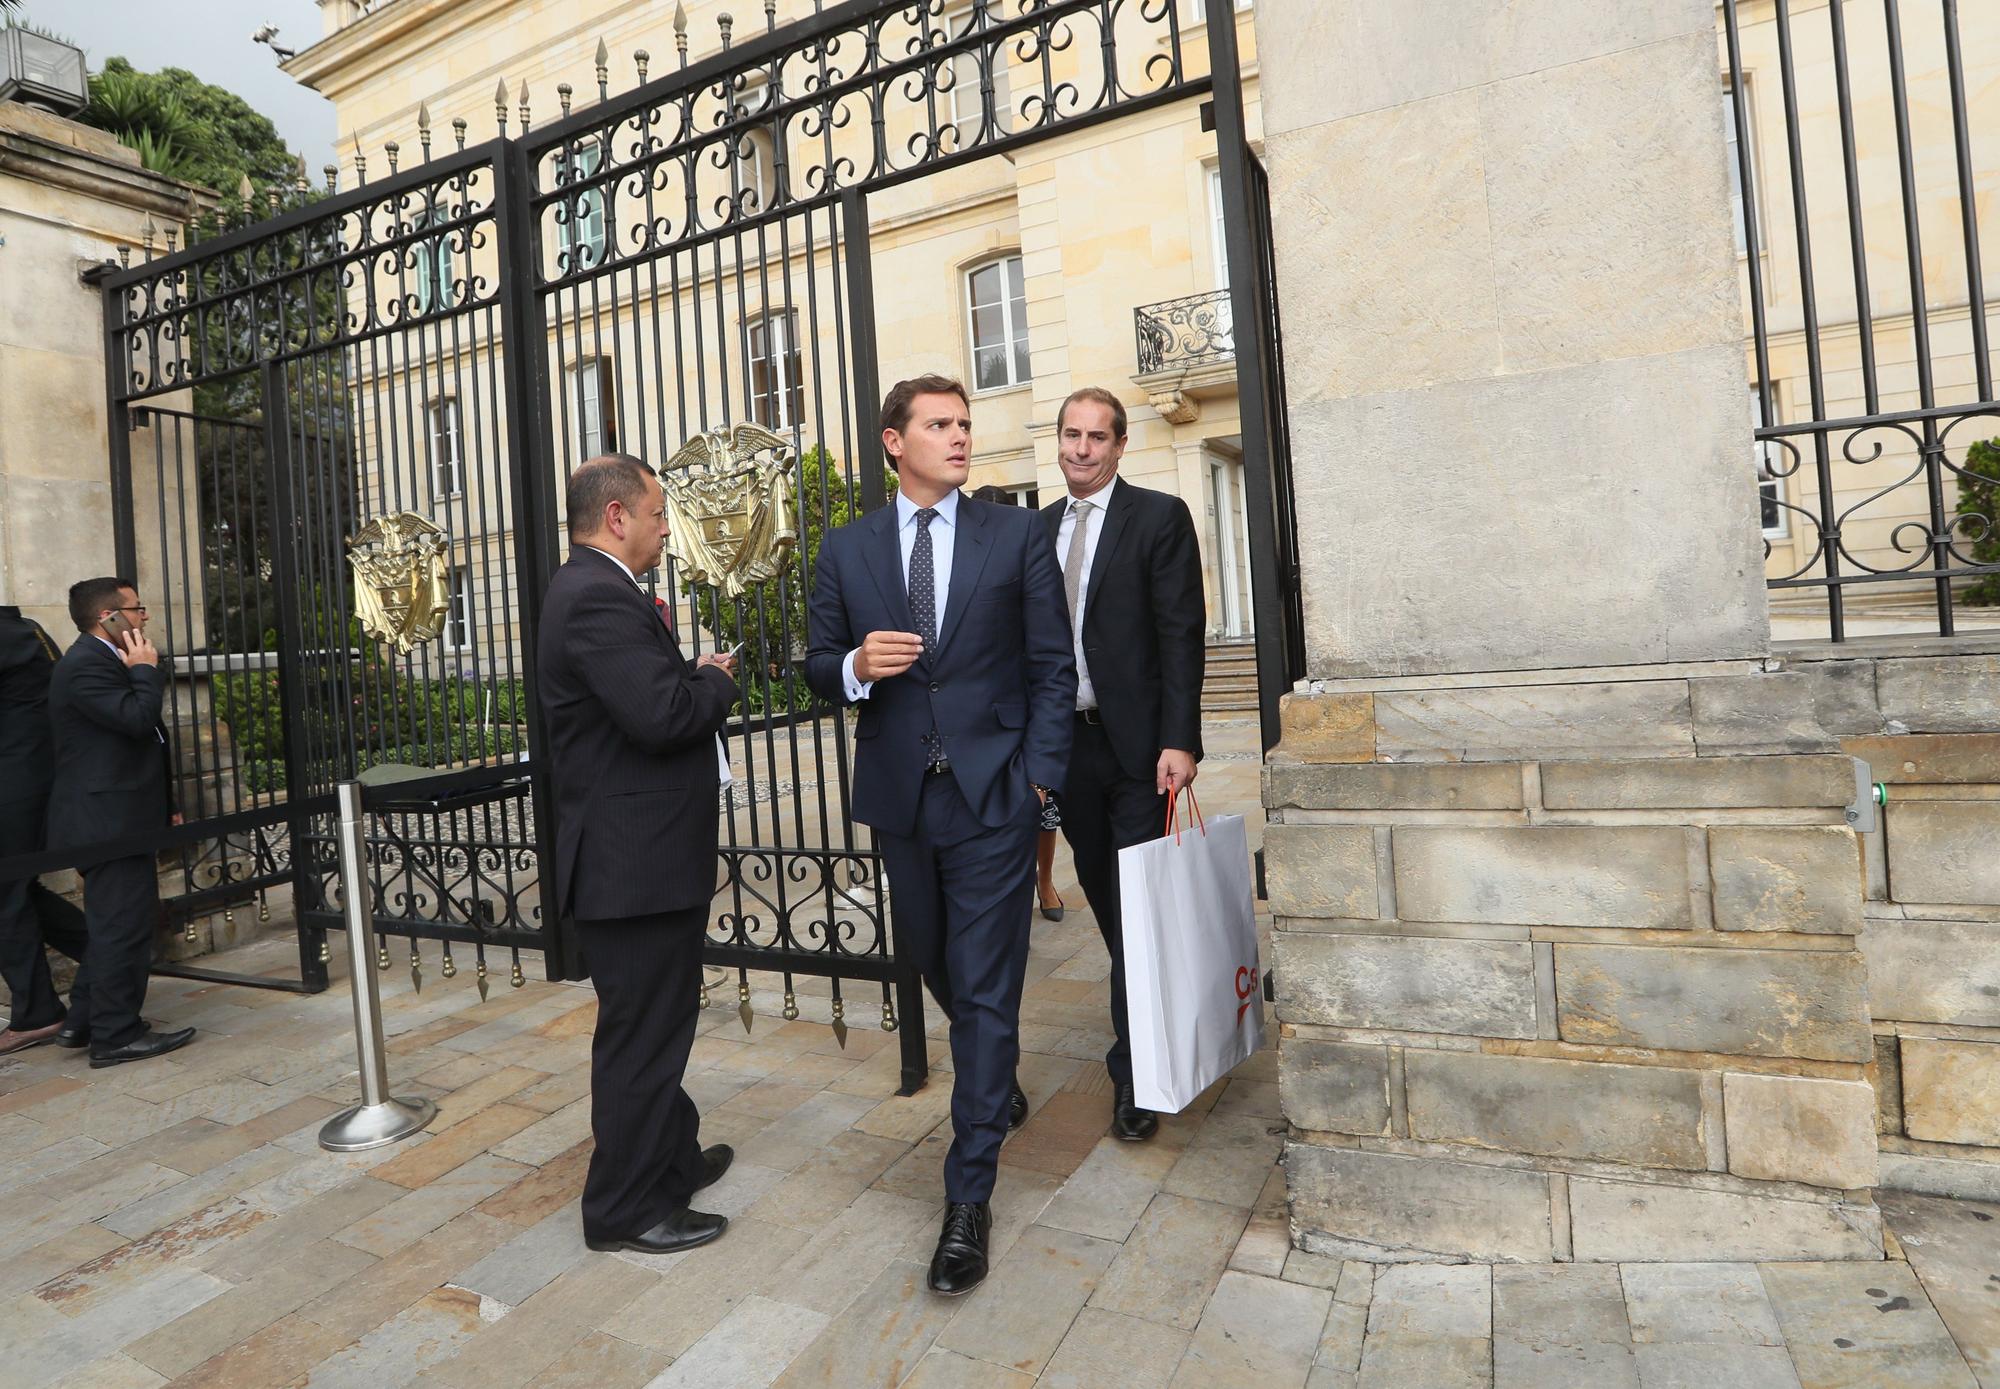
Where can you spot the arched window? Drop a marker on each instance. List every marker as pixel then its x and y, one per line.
pixel 997 317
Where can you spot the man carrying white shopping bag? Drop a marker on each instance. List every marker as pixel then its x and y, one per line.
pixel 1191 978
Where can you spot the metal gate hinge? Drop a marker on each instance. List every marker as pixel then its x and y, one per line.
pixel 1863 816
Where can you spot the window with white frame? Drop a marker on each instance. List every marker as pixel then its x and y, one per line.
pixel 754 171
pixel 997 315
pixel 430 262
pixel 458 616
pixel 965 100
pixel 447 456
pixel 777 379
pixel 593 389
pixel 1198 10
pixel 1219 242
pixel 1737 147
pixel 580 229
pixel 1770 486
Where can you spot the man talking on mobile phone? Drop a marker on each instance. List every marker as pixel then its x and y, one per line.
pixel 111 781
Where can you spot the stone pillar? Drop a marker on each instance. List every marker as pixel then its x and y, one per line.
pixel 69 197
pixel 1566 898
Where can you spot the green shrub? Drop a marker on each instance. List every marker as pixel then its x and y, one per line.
pixel 1979 495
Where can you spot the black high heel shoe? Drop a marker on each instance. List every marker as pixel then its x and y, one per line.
pixel 1054 913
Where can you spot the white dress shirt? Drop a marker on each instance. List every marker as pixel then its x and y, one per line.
pixel 944 528
pixel 1100 503
pixel 721 753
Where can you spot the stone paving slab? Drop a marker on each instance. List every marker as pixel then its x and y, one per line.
pixel 177 1221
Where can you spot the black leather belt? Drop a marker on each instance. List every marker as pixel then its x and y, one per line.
pixel 938 768
pixel 1094 717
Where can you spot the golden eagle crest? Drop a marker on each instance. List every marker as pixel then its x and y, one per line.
pixel 401 591
pixel 729 507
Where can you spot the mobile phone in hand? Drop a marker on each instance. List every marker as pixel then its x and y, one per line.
pixel 117 625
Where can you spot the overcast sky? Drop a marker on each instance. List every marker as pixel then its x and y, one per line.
pixel 212 40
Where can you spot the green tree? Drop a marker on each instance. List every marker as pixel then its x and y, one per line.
pixel 771 617
pixel 190 129
pixel 1979 497
pixel 145 117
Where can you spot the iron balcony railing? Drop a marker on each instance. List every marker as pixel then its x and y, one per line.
pixel 1185 332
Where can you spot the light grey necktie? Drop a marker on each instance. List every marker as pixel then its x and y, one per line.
pixel 1073 561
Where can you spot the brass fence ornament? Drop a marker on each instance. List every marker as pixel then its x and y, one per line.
pixel 729 507
pixel 401 589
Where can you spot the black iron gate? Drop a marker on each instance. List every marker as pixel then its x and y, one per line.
pixel 454 338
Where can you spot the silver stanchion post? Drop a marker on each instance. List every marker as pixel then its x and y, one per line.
pixel 380 1118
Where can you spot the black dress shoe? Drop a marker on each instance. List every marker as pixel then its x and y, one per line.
pixel 715 1161
pixel 1128 1121
pixel 959 1265
pixel 146 1045
pixel 78 1037
pixel 1017 1108
pixel 686 1228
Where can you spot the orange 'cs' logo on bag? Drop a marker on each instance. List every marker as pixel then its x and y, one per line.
pixel 1246 990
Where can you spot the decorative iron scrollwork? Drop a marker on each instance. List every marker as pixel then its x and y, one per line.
pixel 1198 329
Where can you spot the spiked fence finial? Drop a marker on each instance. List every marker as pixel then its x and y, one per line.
pixel 500 106
pixel 603 71
pixel 524 106
pixel 424 129
pixel 681 31
pixel 360 163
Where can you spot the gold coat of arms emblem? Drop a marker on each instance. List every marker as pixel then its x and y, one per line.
pixel 401 590
pixel 729 507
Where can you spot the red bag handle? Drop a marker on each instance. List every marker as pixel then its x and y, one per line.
pixel 1194 807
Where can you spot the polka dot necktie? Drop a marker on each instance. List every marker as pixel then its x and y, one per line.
pixel 923 609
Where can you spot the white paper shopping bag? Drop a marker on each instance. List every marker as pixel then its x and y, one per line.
pixel 1192 984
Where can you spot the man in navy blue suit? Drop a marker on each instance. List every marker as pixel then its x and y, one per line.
pixel 944 619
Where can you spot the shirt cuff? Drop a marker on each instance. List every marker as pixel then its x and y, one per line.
pixel 857 690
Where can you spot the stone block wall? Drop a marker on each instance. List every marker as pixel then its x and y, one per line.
pixel 1572 971
pixel 1601 971
pixel 1925 716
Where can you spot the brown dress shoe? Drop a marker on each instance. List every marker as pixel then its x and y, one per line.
pixel 12 1041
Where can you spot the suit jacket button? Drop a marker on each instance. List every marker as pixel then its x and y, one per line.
pixel 935 687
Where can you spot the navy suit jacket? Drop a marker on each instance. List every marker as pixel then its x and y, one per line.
pixel 1001 688
pixel 631 730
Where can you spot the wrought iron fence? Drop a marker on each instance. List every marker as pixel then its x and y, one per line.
pixel 1872 372
pixel 1193 331
pixel 454 338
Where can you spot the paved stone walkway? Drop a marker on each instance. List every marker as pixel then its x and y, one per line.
pixel 174 1221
